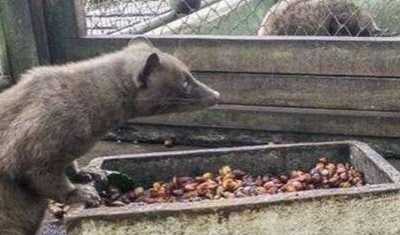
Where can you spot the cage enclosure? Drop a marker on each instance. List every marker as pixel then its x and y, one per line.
pixel 282 89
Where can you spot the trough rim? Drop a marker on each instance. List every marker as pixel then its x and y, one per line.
pixel 236 204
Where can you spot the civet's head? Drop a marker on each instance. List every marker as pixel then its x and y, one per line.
pixel 164 83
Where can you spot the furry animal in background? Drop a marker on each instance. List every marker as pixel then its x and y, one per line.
pixel 318 17
pixel 184 6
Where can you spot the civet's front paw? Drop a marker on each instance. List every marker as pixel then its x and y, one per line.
pixel 83 177
pixel 86 194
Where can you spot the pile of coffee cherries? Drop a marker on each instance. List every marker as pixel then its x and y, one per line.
pixel 235 183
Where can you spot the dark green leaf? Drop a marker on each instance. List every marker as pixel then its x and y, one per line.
pixel 120 180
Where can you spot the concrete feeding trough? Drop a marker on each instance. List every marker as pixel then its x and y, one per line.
pixel 369 209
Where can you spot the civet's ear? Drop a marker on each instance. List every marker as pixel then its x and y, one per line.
pixel 152 62
pixel 141 41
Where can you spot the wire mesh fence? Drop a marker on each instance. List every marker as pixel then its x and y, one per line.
pixel 244 17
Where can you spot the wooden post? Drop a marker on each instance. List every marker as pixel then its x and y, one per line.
pixel 19 36
pixel 5 79
pixel 65 20
pixel 40 30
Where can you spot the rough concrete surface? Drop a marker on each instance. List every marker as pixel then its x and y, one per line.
pixel 370 215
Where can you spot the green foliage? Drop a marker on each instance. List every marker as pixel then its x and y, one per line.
pixel 244 20
pixel 385 12
pixel 120 180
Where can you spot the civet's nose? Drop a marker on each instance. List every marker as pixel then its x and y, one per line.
pixel 217 95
